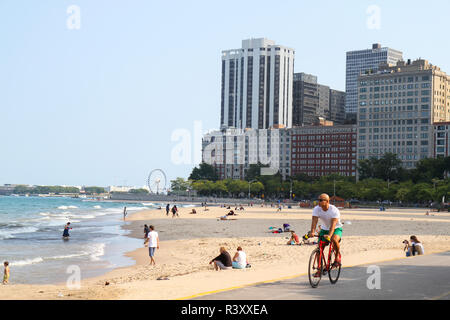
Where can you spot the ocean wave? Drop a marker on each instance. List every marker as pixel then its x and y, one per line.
pixel 97 207
pixel 67 207
pixel 97 251
pixel 148 204
pixel 135 208
pixel 26 262
pixel 9 233
pixel 94 252
pixel 85 216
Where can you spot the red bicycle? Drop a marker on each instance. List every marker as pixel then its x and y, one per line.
pixel 318 266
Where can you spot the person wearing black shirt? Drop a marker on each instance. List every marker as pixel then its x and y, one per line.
pixel 222 261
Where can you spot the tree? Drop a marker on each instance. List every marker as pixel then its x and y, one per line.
pixel 179 184
pixel 220 188
pixel 256 187
pixel 387 167
pixel 94 190
pixel 254 171
pixel 203 172
pixel 139 191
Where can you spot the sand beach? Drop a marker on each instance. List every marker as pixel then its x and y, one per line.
pixel 190 241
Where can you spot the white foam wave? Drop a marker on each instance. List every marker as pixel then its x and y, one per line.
pixel 9 233
pixel 72 207
pixel 85 216
pixel 26 262
pixel 63 207
pixel 134 208
pixel 148 204
pixel 97 251
pixel 97 207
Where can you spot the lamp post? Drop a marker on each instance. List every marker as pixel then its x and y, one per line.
pixel 334 191
pixel 290 192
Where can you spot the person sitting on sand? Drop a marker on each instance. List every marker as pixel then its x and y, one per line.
pixel 231 213
pixel 241 208
pixel 6 272
pixel 222 261
pixel 240 260
pixel 294 238
pixel 416 246
pixel 193 211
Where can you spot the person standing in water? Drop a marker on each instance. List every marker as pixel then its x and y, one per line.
pixel 6 272
pixel 67 227
pixel 124 212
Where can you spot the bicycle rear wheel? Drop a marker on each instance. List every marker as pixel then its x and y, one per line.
pixel 334 271
pixel 314 270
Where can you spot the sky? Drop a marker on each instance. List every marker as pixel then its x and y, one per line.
pixel 102 92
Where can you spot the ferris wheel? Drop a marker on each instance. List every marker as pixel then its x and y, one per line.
pixel 157 181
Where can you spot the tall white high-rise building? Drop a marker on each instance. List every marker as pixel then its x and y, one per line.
pixel 257 84
pixel 361 61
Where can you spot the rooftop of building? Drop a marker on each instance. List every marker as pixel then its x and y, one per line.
pixel 402 67
pixel 254 43
pixel 375 48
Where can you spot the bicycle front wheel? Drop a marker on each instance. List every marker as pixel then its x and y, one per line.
pixel 315 268
pixel 334 271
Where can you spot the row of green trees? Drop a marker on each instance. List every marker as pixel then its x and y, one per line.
pixel 366 190
pixel 380 179
pixel 23 189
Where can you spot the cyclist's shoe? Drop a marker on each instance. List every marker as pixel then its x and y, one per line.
pixel 317 274
pixel 337 263
pixel 324 272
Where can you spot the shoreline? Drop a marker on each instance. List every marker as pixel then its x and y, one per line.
pixel 189 242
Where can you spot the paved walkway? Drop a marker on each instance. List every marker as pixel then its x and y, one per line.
pixel 416 278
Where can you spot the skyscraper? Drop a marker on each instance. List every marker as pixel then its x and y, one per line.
pixel 337 107
pixel 306 99
pixel 257 83
pixel 397 108
pixel 361 61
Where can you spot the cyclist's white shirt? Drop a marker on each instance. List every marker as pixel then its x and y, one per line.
pixel 326 216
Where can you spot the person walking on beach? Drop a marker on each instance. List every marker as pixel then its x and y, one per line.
pixel 174 211
pixel 67 227
pixel 167 209
pixel 6 272
pixel 331 227
pixel 222 261
pixel 124 212
pixel 153 244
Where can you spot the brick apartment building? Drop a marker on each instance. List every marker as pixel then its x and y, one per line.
pixel 323 150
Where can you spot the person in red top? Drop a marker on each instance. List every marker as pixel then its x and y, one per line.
pixel 294 238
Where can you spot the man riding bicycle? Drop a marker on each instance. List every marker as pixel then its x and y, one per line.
pixel 331 224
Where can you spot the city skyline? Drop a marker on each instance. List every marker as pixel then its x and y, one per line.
pixel 96 106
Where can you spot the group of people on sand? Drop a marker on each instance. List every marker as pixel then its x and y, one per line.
pixel 174 210
pixel 224 262
pixel 413 247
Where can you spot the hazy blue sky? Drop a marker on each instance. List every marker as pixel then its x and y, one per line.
pixel 98 105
